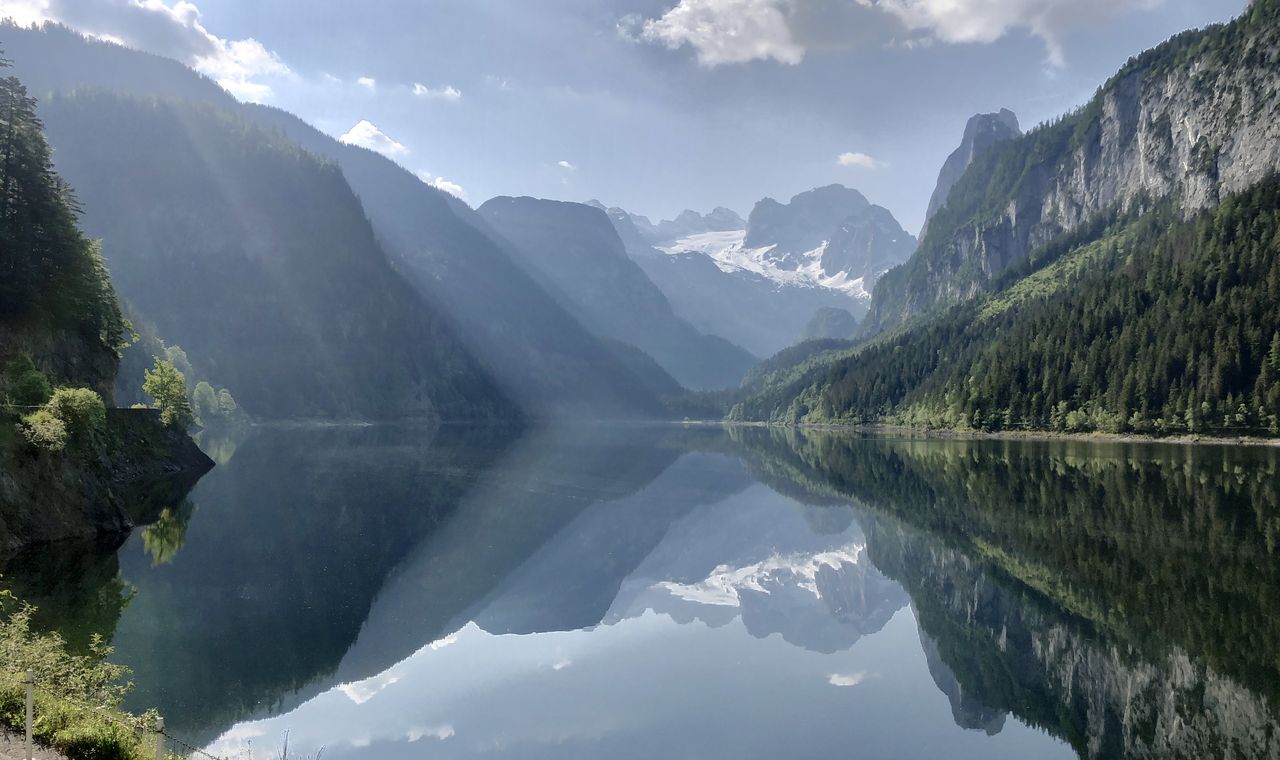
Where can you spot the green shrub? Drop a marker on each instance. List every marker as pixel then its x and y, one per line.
pixel 24 384
pixel 45 430
pixel 77 697
pixel 82 411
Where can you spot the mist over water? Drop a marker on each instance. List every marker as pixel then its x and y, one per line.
pixel 641 591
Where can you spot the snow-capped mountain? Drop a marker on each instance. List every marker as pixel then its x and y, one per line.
pixel 808 578
pixel 760 281
pixel 731 254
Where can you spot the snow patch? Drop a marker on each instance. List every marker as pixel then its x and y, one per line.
pixel 730 254
pixel 723 586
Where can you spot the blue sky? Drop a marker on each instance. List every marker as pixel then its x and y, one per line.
pixel 654 105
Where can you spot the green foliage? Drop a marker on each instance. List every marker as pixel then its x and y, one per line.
pixel 1020 174
pixel 168 389
pixel 52 272
pixel 163 538
pixel 82 412
pixel 45 430
pixel 204 402
pixel 1160 326
pixel 72 415
pixel 226 403
pixel 24 384
pixel 77 697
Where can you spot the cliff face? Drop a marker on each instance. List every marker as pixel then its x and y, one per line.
pixel 981 133
pixel 64 356
pixel 141 468
pixel 1192 119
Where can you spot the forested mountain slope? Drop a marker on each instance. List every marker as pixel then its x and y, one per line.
pixel 541 356
pixel 574 250
pixel 1085 277
pixel 69 465
pixel 1193 119
pixel 257 258
pixel 1157 325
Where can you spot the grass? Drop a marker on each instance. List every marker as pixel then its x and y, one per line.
pixel 77 696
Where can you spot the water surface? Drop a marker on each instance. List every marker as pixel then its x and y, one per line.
pixel 639 592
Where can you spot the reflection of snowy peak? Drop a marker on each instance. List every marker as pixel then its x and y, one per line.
pixel 823 601
pixel 817 590
pixel 730 254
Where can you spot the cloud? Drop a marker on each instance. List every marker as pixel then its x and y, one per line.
pixel 175 31
pixel 969 21
pixel 367 135
pixel 727 31
pixel 858 160
pixel 851 679
pixel 447 92
pixel 440 183
pixel 737 31
pixel 369 83
pixel 566 166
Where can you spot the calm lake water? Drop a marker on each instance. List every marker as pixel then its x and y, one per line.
pixel 665 592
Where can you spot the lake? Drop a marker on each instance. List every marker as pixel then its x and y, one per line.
pixel 696 592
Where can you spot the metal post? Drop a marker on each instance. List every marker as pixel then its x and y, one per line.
pixel 159 738
pixel 31 708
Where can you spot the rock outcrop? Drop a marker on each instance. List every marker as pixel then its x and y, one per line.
pixel 140 468
pixel 1191 120
pixel 981 133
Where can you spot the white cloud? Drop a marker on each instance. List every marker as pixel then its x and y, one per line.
pixel 737 31
pixel 851 679
pixel 989 20
pixel 176 31
pixel 25 12
pixel 447 92
pixel 566 166
pixel 728 31
pixel 858 160
pixel 369 83
pixel 452 188
pixel 367 135
pixel 435 732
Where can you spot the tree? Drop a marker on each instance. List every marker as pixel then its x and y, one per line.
pixel 205 403
pixel 168 388
pixel 25 385
pixel 226 403
pixel 82 412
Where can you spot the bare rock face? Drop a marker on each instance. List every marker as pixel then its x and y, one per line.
pixel 1192 120
pixel 981 133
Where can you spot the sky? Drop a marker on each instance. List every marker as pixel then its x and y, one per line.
pixel 652 105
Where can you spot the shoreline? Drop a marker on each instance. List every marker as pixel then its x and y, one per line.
pixel 1182 439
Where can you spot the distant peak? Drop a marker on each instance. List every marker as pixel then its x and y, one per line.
pixel 1003 120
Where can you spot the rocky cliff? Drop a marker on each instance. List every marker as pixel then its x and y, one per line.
pixel 1191 120
pixel 981 133
pixel 140 468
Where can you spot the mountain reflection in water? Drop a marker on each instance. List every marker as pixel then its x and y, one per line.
pixel 642 591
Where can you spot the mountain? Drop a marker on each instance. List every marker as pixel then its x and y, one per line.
pixel 1125 287
pixel 257 258
pixel 540 355
pixel 980 134
pixel 759 282
pixel 574 251
pixel 70 467
pixel 831 323
pixel 1191 120
pixel 832 235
